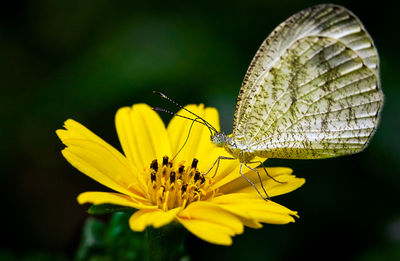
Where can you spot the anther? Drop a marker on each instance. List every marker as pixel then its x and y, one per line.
pixel 184 187
pixel 177 187
pixel 194 163
pixel 196 176
pixel 165 160
pixel 172 177
pixel 154 165
pixel 202 179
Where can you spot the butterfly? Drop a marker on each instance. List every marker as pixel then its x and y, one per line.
pixel 312 91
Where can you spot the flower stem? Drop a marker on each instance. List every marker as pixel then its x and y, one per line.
pixel 166 243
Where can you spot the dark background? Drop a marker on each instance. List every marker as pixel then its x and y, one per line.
pixel 84 60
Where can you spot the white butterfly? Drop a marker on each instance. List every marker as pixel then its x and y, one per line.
pixel 312 91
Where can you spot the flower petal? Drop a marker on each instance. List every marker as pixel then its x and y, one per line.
pixel 75 130
pixel 155 217
pixel 252 207
pixel 142 134
pixel 105 166
pixel 210 232
pixel 96 197
pixel 96 162
pixel 210 222
pixel 288 181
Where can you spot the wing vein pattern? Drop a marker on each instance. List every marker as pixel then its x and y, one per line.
pixel 312 89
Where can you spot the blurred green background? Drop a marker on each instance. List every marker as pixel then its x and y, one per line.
pixel 84 60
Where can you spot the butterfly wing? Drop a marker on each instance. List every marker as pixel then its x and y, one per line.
pixel 312 89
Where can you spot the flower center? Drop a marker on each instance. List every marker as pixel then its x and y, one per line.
pixel 171 187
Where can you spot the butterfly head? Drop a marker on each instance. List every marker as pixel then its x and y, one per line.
pixel 219 139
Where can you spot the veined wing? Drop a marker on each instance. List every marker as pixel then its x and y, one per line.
pixel 312 90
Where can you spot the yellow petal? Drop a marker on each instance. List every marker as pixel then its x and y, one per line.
pixel 252 207
pixel 75 130
pixel 198 144
pixel 142 134
pixel 107 168
pixel 152 217
pixel 210 222
pixel 288 181
pixel 77 135
pixel 207 231
pixel 96 197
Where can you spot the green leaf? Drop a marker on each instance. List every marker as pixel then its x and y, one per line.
pixel 122 242
pixel 102 209
pixel 167 242
pixel 92 242
pixel 116 241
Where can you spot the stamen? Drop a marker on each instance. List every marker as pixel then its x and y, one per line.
pixel 184 188
pixel 165 161
pixel 202 179
pixel 172 177
pixel 171 187
pixel 196 176
pixel 194 163
pixel 154 165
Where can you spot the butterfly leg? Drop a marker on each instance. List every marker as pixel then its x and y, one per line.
pixel 217 162
pixel 281 182
pixel 259 178
pixel 251 183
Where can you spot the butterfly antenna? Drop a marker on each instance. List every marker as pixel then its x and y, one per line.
pixel 190 129
pixel 187 138
pixel 181 116
pixel 206 123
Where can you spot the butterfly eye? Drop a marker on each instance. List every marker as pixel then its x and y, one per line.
pixel 219 139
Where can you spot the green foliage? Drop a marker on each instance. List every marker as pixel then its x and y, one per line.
pixel 116 241
pixel 102 209
pixel 111 242
pixel 165 243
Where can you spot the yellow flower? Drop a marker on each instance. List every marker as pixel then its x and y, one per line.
pixel 166 189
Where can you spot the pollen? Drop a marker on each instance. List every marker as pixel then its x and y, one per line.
pixel 171 186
